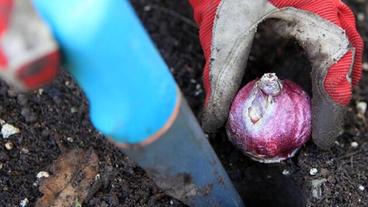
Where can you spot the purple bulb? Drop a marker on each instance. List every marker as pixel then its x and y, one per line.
pixel 270 119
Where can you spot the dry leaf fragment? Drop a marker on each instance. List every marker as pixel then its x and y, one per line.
pixel 73 174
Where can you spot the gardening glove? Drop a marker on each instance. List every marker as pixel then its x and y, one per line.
pixel 29 56
pixel 325 29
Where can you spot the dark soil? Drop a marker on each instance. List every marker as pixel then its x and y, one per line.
pixel 48 118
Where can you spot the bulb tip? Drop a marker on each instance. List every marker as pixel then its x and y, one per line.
pixel 270 84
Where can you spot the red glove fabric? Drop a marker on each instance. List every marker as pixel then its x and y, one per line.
pixel 335 11
pixel 5 11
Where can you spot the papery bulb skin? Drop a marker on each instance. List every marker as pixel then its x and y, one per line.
pixel 270 119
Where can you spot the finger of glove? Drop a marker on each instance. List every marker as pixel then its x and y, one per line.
pixel 5 10
pixel 338 13
pixel 348 23
pixel 40 71
pixel 327 121
pixel 328 117
pixel 204 15
pixel 3 60
pixel 337 83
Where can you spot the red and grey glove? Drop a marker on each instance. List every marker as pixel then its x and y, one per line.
pixel 325 29
pixel 29 56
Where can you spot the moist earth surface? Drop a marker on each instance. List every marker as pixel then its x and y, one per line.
pixel 54 120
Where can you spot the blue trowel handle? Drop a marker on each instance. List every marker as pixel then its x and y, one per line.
pixel 133 97
pixel 130 89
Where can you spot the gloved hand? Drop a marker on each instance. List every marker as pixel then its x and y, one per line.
pixel 325 29
pixel 29 56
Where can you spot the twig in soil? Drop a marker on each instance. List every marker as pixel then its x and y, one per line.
pixel 158 196
pixel 352 161
pixel 348 178
pixel 176 15
pixel 59 143
pixel 349 155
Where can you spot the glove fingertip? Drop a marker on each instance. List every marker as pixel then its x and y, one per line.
pixel 327 121
pixel 40 71
pixel 337 82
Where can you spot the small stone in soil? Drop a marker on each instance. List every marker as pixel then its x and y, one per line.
pixel 286 172
pixel 354 144
pixel 9 146
pixel 316 187
pixel 365 66
pixel 69 139
pixel 24 202
pixel 313 171
pixel 361 188
pixel 339 144
pixel 40 91
pixel 42 174
pixel 73 110
pixel 361 107
pixel 25 150
pixel 147 8
pixel 360 17
pixel 7 130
